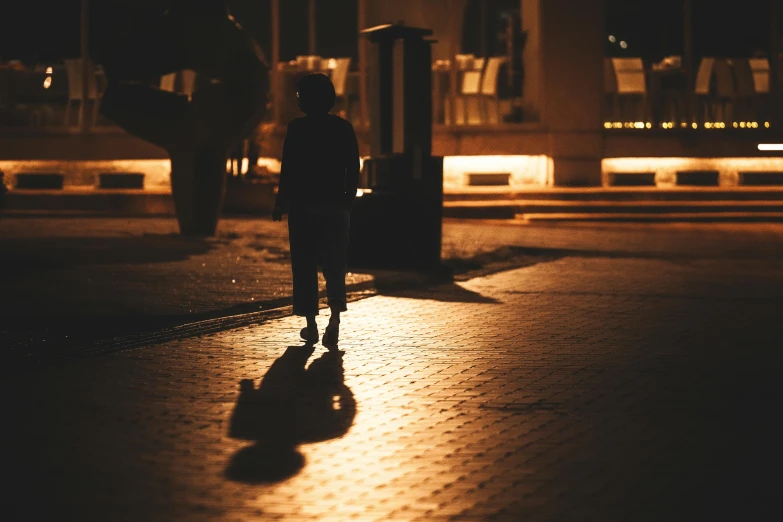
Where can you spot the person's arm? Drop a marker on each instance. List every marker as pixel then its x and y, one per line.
pixel 351 166
pixel 284 186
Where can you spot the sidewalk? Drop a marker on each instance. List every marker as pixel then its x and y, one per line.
pixel 69 283
pixel 629 373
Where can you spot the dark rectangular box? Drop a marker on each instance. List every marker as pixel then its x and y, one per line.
pixel 760 179
pixel 489 179
pixel 632 179
pixel 39 181
pixel 698 178
pixel 121 180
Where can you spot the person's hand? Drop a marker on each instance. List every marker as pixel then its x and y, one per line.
pixel 277 214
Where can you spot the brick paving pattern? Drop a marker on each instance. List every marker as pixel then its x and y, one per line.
pixel 636 377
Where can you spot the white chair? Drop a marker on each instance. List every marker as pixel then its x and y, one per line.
pixel 630 75
pixel 188 79
pixel 702 87
pixel 725 91
pixel 167 82
pixel 489 88
pixel 464 61
pixel 761 78
pixel 340 75
pixel 73 69
pixel 760 68
pixel 339 80
pixel 703 76
pixel 469 94
pixel 309 63
pixel 631 88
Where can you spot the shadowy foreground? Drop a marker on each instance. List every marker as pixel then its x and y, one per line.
pixel 618 373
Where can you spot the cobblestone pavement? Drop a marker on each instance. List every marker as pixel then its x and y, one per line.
pixel 68 281
pixel 635 376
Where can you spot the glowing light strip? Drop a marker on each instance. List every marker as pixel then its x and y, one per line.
pixel 694 125
pixel 770 146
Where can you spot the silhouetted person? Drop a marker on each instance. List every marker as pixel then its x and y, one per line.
pixel 318 181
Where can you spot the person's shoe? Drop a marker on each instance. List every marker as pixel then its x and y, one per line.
pixel 331 335
pixel 309 334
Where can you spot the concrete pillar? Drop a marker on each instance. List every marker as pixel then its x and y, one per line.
pixel 689 60
pixel 312 43
pixel 531 59
pixel 774 63
pixel 277 99
pixel 570 72
pixel 454 48
pixel 86 69
pixel 362 45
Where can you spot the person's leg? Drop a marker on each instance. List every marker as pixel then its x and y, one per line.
pixel 333 250
pixel 304 267
pixel 311 321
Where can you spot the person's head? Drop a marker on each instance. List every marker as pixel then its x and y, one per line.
pixel 315 94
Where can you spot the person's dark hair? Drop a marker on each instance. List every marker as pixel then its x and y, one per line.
pixel 315 94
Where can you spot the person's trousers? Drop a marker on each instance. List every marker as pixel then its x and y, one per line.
pixel 318 235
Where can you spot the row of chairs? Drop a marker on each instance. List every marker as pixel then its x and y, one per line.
pixel 725 90
pixel 337 69
pixel 478 100
pixel 73 71
pixel 184 82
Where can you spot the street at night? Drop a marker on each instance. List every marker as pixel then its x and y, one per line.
pixel 391 260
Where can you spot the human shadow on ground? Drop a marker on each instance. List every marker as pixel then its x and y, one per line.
pixel 32 256
pixel 294 404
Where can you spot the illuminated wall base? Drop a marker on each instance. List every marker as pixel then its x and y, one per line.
pixel 531 171
pixel 85 173
pixel 525 171
pixel 666 169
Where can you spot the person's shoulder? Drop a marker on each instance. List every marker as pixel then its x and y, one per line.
pixel 342 123
pixel 295 123
pixel 336 120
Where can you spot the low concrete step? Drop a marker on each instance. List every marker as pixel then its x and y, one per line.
pixel 618 194
pixel 580 209
pixel 657 217
pixel 89 201
pixel 532 207
pixel 764 204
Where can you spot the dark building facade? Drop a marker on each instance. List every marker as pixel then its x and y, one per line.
pixel 555 93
